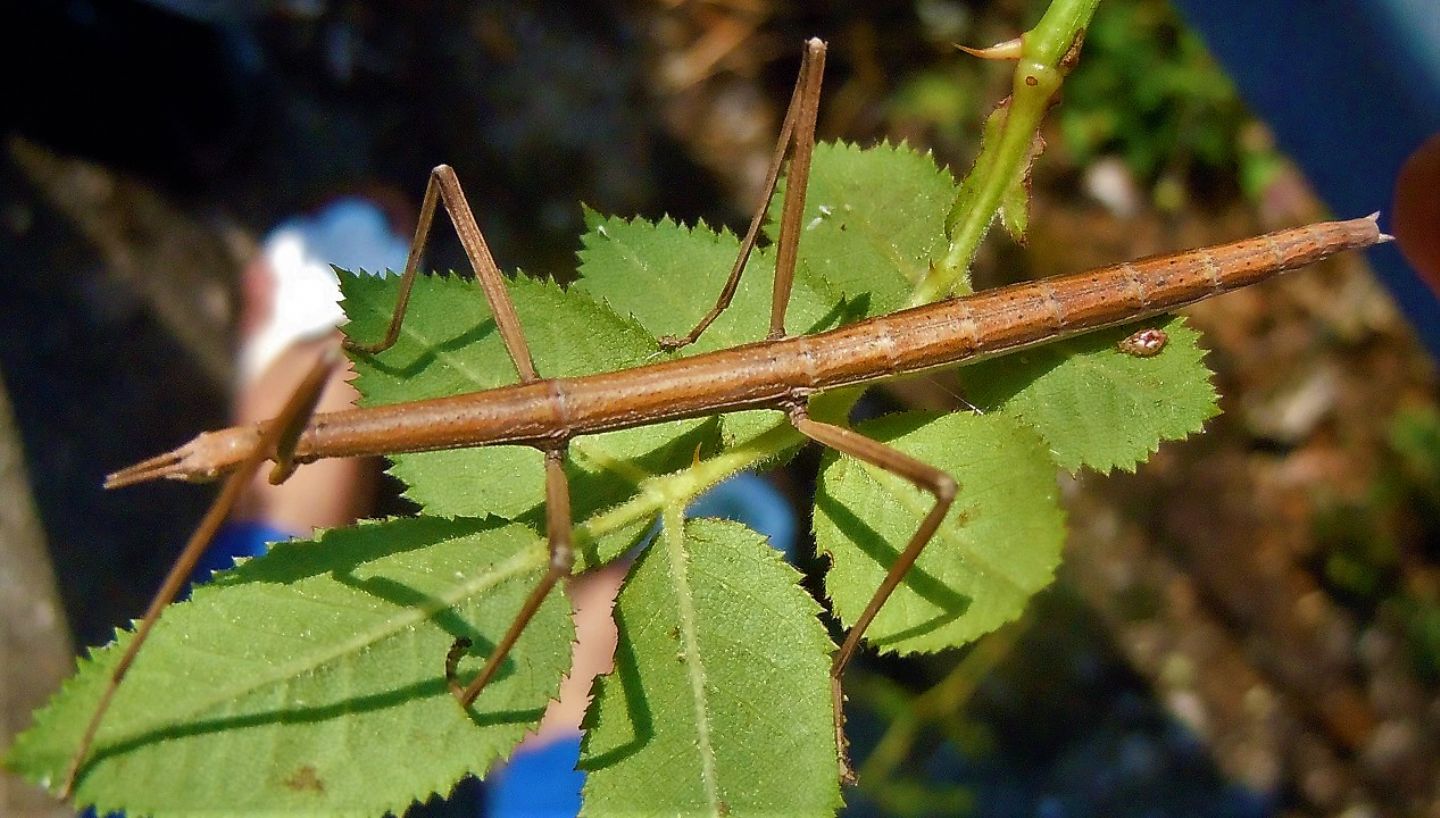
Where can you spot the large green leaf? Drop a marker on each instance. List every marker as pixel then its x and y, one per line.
pixel 999 544
pixel 1096 405
pixel 719 703
pixel 311 680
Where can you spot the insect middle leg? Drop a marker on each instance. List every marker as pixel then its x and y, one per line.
pixel 937 482
pixel 276 442
pixel 797 129
pixel 444 187
pixel 562 559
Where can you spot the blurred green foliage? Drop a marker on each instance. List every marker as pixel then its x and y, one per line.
pixel 1415 441
pixel 945 100
pixel 1148 91
pixel 1370 547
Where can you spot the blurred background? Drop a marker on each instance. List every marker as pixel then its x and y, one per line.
pixel 1247 626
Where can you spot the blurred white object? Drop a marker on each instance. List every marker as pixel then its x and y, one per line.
pixel 1109 182
pixel 351 234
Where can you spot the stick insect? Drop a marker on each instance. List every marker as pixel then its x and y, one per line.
pixel 781 372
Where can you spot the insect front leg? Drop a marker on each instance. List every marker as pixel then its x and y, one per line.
pixel 798 129
pixel 937 482
pixel 276 441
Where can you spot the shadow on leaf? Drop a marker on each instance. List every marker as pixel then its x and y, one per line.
pixel 341 551
pixel 637 709
pixel 868 541
pixel 312 714
pixel 429 355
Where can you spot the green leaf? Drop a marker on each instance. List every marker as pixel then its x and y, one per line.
pixel 719 703
pixel 666 277
pixel 311 680
pixel 1098 406
pixel 874 220
pixel 449 345
pixel 999 544
pixel 1015 206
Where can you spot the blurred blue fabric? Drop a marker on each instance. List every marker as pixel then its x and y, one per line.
pixel 752 500
pixel 351 233
pixel 1350 89
pixel 236 539
pixel 537 782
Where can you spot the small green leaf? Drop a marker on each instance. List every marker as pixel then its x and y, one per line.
pixel 1014 205
pixel 999 544
pixel 874 220
pixel 1015 211
pixel 1098 406
pixel 311 680
pixel 719 703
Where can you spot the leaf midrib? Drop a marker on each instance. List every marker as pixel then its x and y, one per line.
pixel 675 541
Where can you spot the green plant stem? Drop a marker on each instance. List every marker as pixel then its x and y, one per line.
pixel 1038 74
pixel 656 494
pixel 677 489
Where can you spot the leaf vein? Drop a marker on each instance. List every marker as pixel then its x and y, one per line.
pixel 674 536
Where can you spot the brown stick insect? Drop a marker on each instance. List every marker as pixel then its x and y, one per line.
pixel 781 372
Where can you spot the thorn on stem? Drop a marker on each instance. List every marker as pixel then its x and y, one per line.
pixel 1008 50
pixel 1382 237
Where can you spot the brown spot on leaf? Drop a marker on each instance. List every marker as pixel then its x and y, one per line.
pixel 305 780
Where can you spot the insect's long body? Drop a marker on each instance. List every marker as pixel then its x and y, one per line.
pixel 779 373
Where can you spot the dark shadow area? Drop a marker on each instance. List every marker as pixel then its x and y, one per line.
pixel 300 715
pixel 925 585
pixel 637 709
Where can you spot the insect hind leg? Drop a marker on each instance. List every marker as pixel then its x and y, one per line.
pixel 558 523
pixel 937 482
